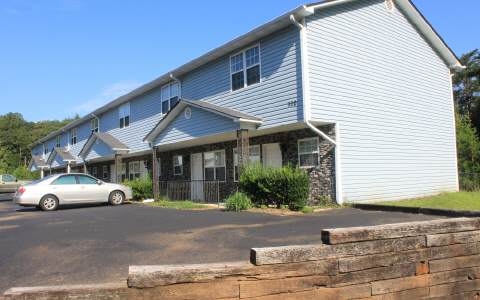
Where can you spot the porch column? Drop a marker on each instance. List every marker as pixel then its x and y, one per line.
pixel 69 169
pixel 118 168
pixel 242 149
pixel 156 186
pixel 85 168
pixel 41 173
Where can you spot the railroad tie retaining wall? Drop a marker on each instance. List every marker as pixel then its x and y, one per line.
pixel 437 259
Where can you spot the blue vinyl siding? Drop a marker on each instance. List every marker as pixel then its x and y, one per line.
pixel 145 113
pixel 280 82
pixel 372 72
pixel 201 123
pixel 99 149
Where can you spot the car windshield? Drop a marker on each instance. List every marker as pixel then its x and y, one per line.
pixel 40 180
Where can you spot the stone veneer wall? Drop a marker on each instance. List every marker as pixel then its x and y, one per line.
pixel 322 179
pixel 437 259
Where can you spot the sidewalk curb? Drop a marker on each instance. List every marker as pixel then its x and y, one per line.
pixel 419 210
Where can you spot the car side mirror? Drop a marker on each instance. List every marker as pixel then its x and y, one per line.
pixel 99 182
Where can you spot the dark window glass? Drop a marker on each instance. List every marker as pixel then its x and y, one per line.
pixel 127 121
pixel 178 170
pixel 253 75
pixel 236 173
pixel 220 173
pixel 173 101
pixel 209 174
pixel 122 123
pixel 86 179
pixel 237 81
pixel 68 179
pixel 165 107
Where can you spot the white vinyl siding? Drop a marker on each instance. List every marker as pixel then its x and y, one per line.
pixel 374 74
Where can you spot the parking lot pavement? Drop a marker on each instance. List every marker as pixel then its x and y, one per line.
pixel 97 244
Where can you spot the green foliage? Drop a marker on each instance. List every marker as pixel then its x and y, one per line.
pixel 307 210
pixel 275 186
pixel 237 202
pixel 468 151
pixel 467 85
pixel 142 188
pixel 23 173
pixel 16 135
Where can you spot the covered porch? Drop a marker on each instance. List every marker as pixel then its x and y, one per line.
pixel 196 159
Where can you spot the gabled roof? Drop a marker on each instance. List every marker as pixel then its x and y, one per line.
pixel 106 138
pixel 64 154
pixel 37 161
pixel 235 115
pixel 406 6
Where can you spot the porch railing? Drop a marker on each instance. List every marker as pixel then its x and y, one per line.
pixel 200 191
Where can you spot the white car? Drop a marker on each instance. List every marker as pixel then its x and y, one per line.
pixel 54 190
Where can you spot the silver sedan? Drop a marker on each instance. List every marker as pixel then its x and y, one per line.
pixel 54 190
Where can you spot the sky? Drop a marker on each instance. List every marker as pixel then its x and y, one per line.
pixel 63 57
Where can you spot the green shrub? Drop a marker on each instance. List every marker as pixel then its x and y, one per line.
pixel 142 188
pixel 23 173
pixel 237 202
pixel 307 210
pixel 275 186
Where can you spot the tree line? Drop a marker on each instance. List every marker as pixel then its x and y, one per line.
pixel 16 135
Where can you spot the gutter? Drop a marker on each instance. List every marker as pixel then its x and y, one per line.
pixel 307 100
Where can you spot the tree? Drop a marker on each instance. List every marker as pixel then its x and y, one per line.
pixel 468 152
pixel 467 87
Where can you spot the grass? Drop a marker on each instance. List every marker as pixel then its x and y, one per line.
pixel 455 201
pixel 183 204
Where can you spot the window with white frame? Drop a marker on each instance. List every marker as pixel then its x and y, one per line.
pixel 253 157
pixel 94 172
pixel 245 68
pixel 177 165
pixel 94 124
pixel 134 170
pixel 308 154
pixel 57 141
pixel 214 165
pixel 105 172
pixel 73 136
pixel 124 115
pixel 170 95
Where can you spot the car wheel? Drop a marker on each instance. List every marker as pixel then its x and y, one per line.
pixel 48 203
pixel 116 198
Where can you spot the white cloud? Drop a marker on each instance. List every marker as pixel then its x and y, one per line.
pixel 107 94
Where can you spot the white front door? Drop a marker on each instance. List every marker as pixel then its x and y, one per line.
pixel 196 186
pixel 272 155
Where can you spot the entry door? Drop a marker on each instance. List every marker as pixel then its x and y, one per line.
pixel 196 187
pixel 272 155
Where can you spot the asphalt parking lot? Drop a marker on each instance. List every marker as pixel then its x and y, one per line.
pixel 98 243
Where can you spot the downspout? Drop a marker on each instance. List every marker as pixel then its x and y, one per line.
pixel 307 105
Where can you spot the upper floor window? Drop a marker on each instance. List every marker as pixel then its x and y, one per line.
pixel 245 68
pixel 45 149
pixel 94 124
pixel 170 95
pixel 73 136
pixel 57 141
pixel 308 154
pixel 124 115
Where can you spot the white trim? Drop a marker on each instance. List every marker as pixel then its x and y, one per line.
pixel 122 114
pixel 457 182
pixel 244 70
pixel 92 125
pixel 338 167
pixel 170 97
pixel 303 153
pixel 72 135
